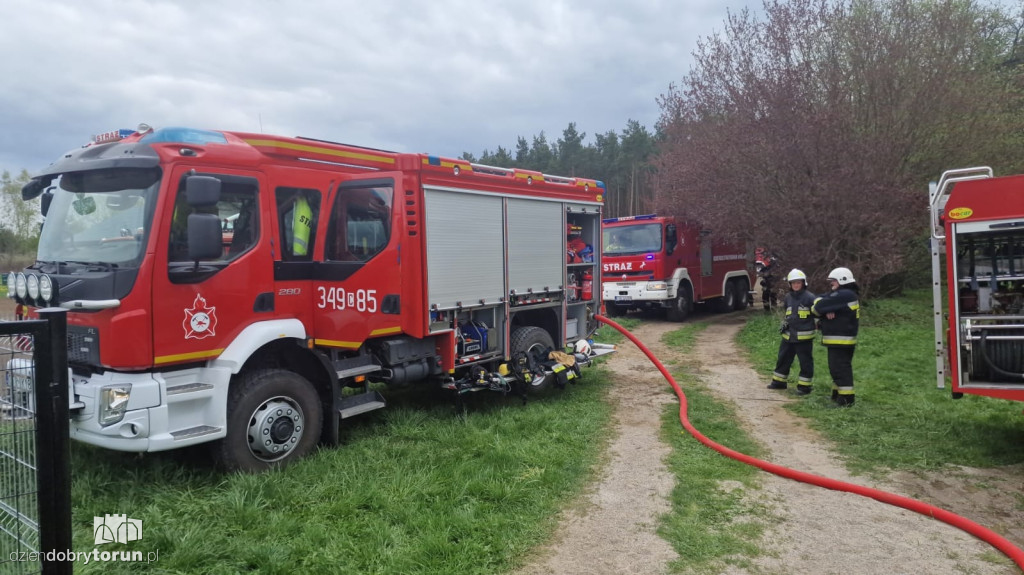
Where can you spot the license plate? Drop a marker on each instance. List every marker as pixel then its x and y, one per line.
pixel 623 298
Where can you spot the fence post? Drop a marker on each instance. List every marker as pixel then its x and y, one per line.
pixel 53 454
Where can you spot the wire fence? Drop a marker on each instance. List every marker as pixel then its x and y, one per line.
pixel 35 486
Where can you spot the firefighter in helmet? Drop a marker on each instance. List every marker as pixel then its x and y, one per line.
pixel 839 313
pixel 797 336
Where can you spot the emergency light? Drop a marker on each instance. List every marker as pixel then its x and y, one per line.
pixel 629 218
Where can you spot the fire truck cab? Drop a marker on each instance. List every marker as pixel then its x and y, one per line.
pixel 245 289
pixel 662 262
pixel 977 227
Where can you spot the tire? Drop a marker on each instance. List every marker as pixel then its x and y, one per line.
pixel 533 341
pixel 742 287
pixel 682 305
pixel 280 406
pixel 726 303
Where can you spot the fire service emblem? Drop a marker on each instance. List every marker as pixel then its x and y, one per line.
pixel 200 320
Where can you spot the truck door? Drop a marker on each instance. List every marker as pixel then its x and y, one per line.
pixel 299 201
pixel 356 286
pixel 198 308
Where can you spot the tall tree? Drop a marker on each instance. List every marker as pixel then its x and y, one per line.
pixel 815 130
pixel 19 220
pixel 570 151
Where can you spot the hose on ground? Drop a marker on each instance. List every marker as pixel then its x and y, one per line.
pixel 985 534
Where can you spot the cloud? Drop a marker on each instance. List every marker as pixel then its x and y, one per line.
pixel 442 77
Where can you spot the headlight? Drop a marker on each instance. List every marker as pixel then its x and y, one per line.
pixel 657 285
pixel 46 288
pixel 33 286
pixel 114 402
pixel 12 285
pixel 21 284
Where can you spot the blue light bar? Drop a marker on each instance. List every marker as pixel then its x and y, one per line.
pixel 630 218
pixel 184 136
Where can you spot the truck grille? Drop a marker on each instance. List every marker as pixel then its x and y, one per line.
pixel 83 345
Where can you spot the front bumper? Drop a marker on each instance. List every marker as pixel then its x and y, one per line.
pixel 164 411
pixel 631 293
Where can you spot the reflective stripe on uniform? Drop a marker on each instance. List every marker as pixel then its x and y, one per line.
pixel 805 380
pixel 805 335
pixel 839 340
pixel 302 223
pixel 844 390
pixel 776 376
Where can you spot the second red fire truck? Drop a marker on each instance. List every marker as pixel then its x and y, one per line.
pixel 658 262
pixel 245 289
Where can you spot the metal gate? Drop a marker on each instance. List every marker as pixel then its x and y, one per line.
pixel 35 477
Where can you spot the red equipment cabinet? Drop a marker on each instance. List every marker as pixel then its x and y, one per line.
pixel 977 226
pixel 663 262
pixel 228 286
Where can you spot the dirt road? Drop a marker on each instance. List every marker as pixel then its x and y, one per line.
pixel 814 530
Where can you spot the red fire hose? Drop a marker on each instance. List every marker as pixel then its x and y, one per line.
pixel 962 523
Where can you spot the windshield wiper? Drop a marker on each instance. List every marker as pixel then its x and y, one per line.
pixel 93 266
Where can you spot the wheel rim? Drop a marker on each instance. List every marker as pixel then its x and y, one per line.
pixel 275 428
pixel 535 351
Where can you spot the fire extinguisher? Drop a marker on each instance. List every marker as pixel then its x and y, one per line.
pixel 588 286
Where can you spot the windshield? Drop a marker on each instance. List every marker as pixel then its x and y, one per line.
pixel 634 239
pixel 100 217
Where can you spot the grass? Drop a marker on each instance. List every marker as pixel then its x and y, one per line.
pixel 900 421
pixel 712 521
pixel 415 489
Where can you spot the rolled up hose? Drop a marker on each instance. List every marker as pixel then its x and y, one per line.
pixel 985 534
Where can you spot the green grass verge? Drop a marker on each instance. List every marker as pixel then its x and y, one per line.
pixel 608 334
pixel 415 489
pixel 900 421
pixel 712 522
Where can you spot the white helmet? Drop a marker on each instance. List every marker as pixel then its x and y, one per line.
pixel 583 346
pixel 842 275
pixel 795 275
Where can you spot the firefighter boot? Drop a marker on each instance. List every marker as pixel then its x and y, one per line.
pixel 802 389
pixel 835 395
pixel 776 384
pixel 845 400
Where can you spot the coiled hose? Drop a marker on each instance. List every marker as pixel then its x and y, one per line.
pixel 985 534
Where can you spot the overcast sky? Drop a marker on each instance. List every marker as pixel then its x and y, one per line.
pixel 442 76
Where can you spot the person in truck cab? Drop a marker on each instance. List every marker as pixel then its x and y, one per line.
pixel 797 336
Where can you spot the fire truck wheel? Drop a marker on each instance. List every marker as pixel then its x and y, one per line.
pixel 742 290
pixel 274 418
pixel 728 300
pixel 535 342
pixel 682 305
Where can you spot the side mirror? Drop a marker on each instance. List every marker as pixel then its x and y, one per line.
pixel 34 187
pixel 202 191
pixel 45 200
pixel 204 237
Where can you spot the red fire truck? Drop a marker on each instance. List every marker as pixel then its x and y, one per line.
pixel 977 226
pixel 246 289
pixel 653 262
